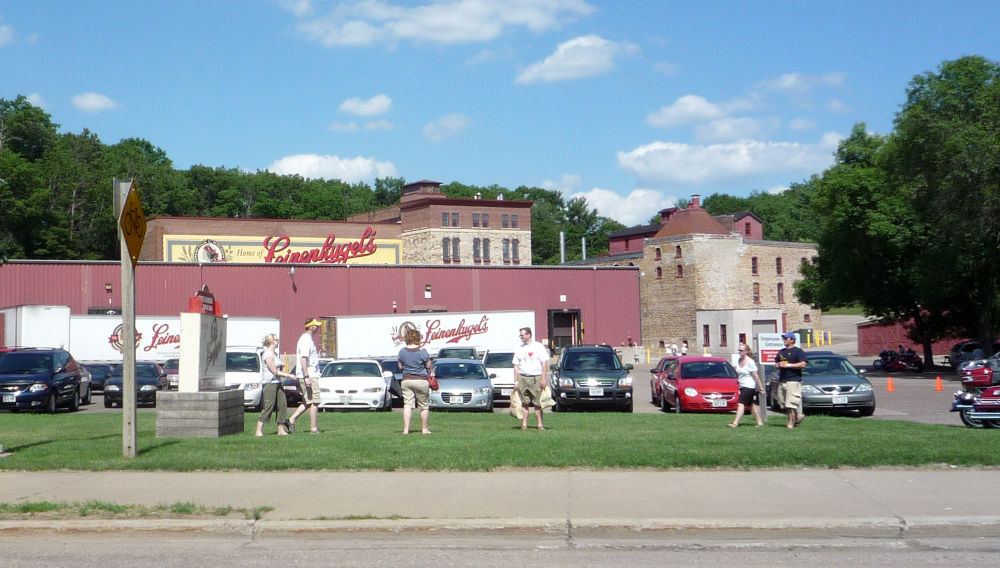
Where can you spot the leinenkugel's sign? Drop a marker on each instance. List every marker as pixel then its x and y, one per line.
pixel 274 249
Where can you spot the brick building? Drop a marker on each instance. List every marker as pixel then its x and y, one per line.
pixel 712 281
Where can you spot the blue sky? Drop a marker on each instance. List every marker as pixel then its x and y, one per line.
pixel 632 104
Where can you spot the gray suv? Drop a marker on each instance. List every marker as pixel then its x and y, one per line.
pixel 591 375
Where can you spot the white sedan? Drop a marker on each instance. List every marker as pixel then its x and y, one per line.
pixel 355 383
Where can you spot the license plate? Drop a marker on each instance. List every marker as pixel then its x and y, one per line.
pixel 345 399
pixel 506 392
pixel 840 399
pixel 719 403
pixel 596 391
pixel 8 398
pixel 455 400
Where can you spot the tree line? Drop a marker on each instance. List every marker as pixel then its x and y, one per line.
pixel 56 196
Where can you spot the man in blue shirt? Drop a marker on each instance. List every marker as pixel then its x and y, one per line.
pixel 790 361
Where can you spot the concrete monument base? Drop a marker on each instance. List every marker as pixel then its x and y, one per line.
pixel 208 414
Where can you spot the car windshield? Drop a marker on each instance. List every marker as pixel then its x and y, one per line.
pixel 591 361
pixel 148 370
pixel 336 369
pixel 171 365
pixel 457 353
pixel 817 366
pixel 242 362
pixel 707 370
pixel 12 363
pixel 100 371
pixel 390 365
pixel 472 371
pixel 501 360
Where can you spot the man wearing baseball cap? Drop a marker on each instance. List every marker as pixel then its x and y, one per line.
pixel 307 371
pixel 790 361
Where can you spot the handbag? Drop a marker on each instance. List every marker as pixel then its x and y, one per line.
pixel 432 382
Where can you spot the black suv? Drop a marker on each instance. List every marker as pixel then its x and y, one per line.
pixel 591 375
pixel 39 379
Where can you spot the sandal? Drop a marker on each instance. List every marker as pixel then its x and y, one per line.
pixel 731 425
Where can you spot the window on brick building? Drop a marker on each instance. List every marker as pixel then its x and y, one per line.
pixel 777 265
pixel 723 335
pixel 659 272
pixel 475 219
pixel 504 220
pixel 445 249
pixel 659 254
pixel 680 271
pixel 746 229
pixel 753 266
pixel 677 251
pixel 505 245
pixel 486 219
pixel 486 251
pixel 756 293
pixel 781 293
pixel 475 250
pixel 513 221
pixel 456 255
pixel 454 219
pixel 515 253
pixel 706 336
pixel 445 219
pixel 807 318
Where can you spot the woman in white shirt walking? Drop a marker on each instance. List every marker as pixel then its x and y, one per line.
pixel 750 386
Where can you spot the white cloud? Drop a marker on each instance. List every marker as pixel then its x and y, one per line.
pixel 344 127
pixel 365 22
pixel 565 184
pixel 300 8
pixel 839 106
pixel 801 124
pixel 692 109
pixel 797 83
pixel 445 127
pixel 636 208
pixel 378 125
pixel 665 67
pixel 36 100
pixel 379 104
pixel 830 141
pixel 674 163
pixel 6 35
pixel 94 102
pixel 350 170
pixel 776 189
pixel 577 58
pixel 728 130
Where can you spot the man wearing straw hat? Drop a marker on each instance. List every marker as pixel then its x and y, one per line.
pixel 307 371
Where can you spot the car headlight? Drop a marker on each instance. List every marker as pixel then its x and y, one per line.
pixel 625 382
pixel 112 388
pixel 147 388
pixel 482 390
pixel 38 387
pixel 373 389
pixel 863 388
pixel 250 386
pixel 565 383
pixel 690 391
pixel 810 389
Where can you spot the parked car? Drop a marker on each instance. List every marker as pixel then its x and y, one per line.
pixel 706 384
pixel 244 371
pixel 392 365
pixel 977 375
pixel 966 351
pixel 86 380
pixel 355 383
pixel 500 367
pixel 171 368
pixel 665 366
pixel 149 379
pixel 590 375
pixel 829 382
pixel 39 379
pixel 99 372
pixel 465 385
pixel 457 353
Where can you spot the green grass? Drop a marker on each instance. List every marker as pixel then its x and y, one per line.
pixel 844 311
pixel 483 442
pixel 105 510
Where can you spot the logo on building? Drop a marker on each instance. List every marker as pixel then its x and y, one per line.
pixel 116 338
pixel 209 251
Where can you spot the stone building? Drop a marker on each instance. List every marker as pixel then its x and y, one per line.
pixel 712 281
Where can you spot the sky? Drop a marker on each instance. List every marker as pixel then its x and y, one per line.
pixel 631 104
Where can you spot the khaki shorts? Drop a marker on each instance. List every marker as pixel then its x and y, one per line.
pixel 790 396
pixel 530 390
pixel 416 393
pixel 310 395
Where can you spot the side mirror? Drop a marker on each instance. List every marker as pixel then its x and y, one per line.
pixel 493 375
pixel 671 377
pixel 629 367
pixel 387 375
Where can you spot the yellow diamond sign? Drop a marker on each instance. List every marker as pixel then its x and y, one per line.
pixel 133 224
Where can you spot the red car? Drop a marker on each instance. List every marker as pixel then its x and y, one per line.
pixel 689 384
pixel 661 369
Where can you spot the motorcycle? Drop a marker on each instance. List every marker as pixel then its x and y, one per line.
pixel 982 411
pixel 894 362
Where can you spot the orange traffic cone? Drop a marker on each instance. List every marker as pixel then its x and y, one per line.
pixel 890 388
pixel 937 384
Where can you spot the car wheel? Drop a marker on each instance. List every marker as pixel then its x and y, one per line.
pixel 677 404
pixel 107 403
pixel 558 407
pixel 970 422
pixel 627 407
pixel 652 396
pixel 87 399
pixel 867 411
pixel 663 404
pixel 74 402
pixel 50 405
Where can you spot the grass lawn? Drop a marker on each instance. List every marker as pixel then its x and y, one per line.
pixel 478 442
